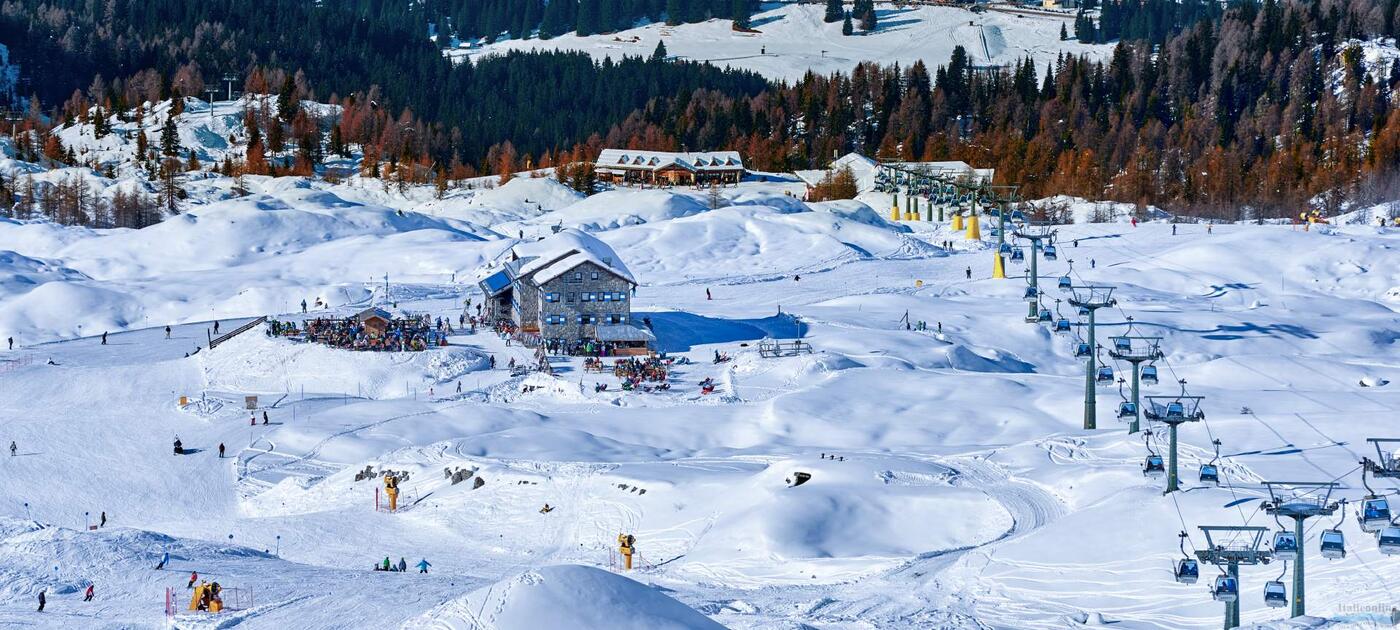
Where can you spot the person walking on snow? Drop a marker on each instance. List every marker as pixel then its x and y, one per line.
pixel 42 600
pixel 707 294
pixel 194 576
pixel 216 326
pixel 423 565
pixel 264 417
pixel 104 337
pixel 1173 229
pixel 88 596
pixel 403 565
pixel 167 332
pixel 969 273
pixel 104 519
pixel 1093 263
pixel 221 450
pixel 13 448
pixel 303 306
pixel 12 342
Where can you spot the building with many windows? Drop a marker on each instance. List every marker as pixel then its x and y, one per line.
pixel 663 168
pixel 567 290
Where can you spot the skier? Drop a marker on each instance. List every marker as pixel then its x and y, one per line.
pixel 403 565
pixel 1173 229
pixel 252 418
pixel 104 337
pixel 179 448
pixel 163 559
pixel 13 448
pixel 493 361
pixel 423 565
pixel 194 576
pixel 221 450
pixel 1076 242
pixel 969 273
pixel 42 600
pixel 303 305
pixel 88 596
pixel 707 294
pixel 104 519
pixel 216 326
pixel 167 332
pixel 1093 263
pixel 387 564
pixel 12 342
pixel 459 387
pixel 264 417
pixel 1134 221
pixel 796 278
pixel 1208 227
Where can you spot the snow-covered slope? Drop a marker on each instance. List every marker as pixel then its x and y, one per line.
pixel 949 481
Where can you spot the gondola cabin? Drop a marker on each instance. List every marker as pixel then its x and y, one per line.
pixel 1127 409
pixel 1375 514
pixel 1210 473
pixel 1226 589
pixel 1153 466
pixel 1285 542
pixel 1333 544
pixel 1187 571
pixel 1275 596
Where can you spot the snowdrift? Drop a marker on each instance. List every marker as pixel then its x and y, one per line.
pixel 567 596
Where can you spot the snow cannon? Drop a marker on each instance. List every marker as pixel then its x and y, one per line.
pixel 391 488
pixel 957 221
pixel 206 598
pixel 626 546
pixel 973 232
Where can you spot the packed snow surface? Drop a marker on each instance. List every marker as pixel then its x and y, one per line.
pixel 947 479
pixel 790 39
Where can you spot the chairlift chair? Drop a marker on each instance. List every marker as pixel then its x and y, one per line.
pixel 1333 544
pixel 1105 374
pixel 1210 473
pixel 1062 325
pixel 1374 515
pixel 1082 350
pixel 1187 571
pixel 1127 409
pixel 1275 595
pixel 1153 466
pixel 1065 283
pixel 1226 589
pixel 1285 542
pixel 1149 375
pixel 1388 540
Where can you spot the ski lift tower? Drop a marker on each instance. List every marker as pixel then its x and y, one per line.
pixel 1035 233
pixel 1228 547
pixel 1174 411
pixel 1300 501
pixel 1091 298
pixel 1004 197
pixel 1136 349
pixel 1386 465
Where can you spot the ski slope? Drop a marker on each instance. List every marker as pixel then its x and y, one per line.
pixel 792 39
pixel 952 485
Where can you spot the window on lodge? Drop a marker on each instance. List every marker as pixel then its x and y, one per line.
pixel 551 297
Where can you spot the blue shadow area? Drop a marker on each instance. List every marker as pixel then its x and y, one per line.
pixel 678 331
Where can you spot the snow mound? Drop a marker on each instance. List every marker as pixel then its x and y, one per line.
pixel 566 596
pixel 617 208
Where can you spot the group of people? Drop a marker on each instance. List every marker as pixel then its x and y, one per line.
pixel 87 595
pixel 402 566
pixel 407 333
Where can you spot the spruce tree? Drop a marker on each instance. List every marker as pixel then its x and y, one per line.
pixel 675 11
pixel 660 53
pixel 741 13
pixel 867 19
pixel 834 12
pixel 169 140
pixel 1064 33
pixel 846 28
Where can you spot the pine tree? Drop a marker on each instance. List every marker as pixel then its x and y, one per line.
pixel 834 12
pixel 868 21
pixel 660 53
pixel 1064 33
pixel 169 140
pixel 676 11
pixel 742 14
pixel 846 28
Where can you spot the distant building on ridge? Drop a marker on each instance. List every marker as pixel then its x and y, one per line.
pixel 626 167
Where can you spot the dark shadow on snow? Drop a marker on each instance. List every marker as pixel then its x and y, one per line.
pixel 678 331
